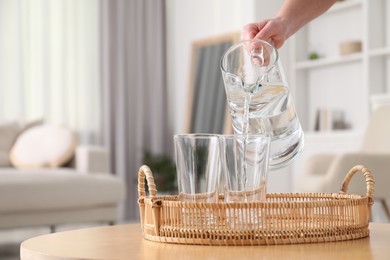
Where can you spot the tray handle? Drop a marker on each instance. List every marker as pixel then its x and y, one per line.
pixel 144 171
pixel 368 177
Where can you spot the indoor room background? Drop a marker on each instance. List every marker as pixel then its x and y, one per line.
pixel 117 73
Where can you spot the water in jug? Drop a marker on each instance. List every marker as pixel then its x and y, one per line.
pixel 259 98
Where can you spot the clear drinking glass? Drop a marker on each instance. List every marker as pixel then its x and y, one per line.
pixel 244 161
pixel 198 167
pixel 259 99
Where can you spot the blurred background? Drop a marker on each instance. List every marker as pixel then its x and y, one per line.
pixel 119 73
pixel 126 75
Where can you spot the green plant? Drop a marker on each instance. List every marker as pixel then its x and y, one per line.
pixel 314 55
pixel 164 172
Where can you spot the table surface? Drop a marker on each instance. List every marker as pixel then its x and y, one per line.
pixel 126 242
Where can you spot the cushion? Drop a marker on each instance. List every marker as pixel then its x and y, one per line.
pixel 43 146
pixel 8 133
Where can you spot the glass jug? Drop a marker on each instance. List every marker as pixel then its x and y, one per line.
pixel 259 99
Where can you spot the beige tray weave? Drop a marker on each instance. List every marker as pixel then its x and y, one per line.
pixel 284 218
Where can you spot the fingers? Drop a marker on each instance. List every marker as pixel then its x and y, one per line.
pixel 265 33
pixel 272 31
pixel 249 31
pixel 269 33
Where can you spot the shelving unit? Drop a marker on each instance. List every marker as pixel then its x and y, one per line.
pixel 340 82
pixel 379 52
pixel 328 61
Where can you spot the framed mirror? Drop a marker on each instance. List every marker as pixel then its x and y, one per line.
pixel 207 110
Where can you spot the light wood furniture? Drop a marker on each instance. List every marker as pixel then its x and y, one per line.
pixel 126 242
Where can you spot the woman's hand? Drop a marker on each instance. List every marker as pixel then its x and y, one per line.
pixel 273 31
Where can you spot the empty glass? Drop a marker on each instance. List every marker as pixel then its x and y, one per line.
pixel 198 167
pixel 259 99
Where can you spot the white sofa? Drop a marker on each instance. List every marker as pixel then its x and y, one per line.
pixel 84 192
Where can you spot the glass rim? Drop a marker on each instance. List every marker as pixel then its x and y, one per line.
pixel 209 135
pixel 196 135
pixel 243 136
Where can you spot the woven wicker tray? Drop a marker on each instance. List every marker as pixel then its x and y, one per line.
pixel 284 218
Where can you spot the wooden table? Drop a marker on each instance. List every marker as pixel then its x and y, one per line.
pixel 126 242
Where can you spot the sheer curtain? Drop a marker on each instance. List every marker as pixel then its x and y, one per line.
pixel 49 64
pixel 133 87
